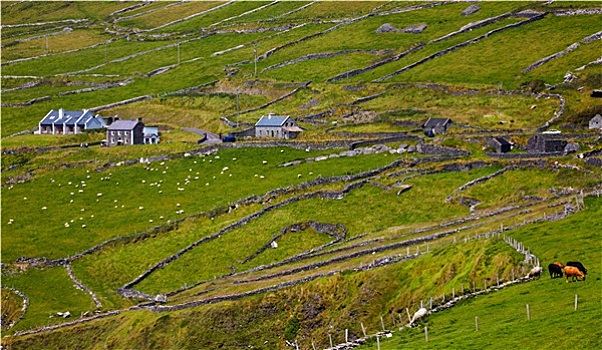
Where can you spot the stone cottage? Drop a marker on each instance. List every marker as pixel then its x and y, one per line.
pixel 66 122
pixel 125 132
pixel 435 126
pixel 596 122
pixel 546 143
pixel 283 127
pixel 500 145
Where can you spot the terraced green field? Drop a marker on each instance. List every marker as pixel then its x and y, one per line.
pixel 270 243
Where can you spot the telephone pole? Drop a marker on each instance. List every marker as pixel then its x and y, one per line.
pixel 255 50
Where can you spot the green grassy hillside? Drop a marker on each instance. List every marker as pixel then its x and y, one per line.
pixel 357 221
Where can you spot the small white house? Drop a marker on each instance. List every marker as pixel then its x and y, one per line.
pixel 151 135
pixel 283 127
pixel 65 122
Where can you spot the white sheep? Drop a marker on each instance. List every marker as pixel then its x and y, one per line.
pixel 418 315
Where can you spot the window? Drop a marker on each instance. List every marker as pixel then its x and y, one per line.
pixel 126 133
pixel 113 133
pixel 119 133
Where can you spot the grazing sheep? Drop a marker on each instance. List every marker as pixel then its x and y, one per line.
pixel 573 272
pixel 535 272
pixel 418 315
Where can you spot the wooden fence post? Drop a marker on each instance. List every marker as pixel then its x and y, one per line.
pixel 476 323
pixel 409 317
pixel 575 302
pixel 431 303
pixel 528 313
pixel 346 335
pixel 426 334
pixel 382 323
pixel 453 293
pixel 377 342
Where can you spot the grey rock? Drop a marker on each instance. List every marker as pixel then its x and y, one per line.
pixel 470 10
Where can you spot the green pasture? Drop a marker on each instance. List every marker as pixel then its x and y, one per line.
pixel 49 291
pixel 483 63
pixel 327 305
pixel 199 184
pixel 510 188
pixel 377 208
pixel 14 12
pixel 211 18
pixel 483 108
pixel 164 15
pixel 502 315
pixel 76 39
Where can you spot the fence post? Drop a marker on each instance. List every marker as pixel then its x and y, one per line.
pixel 409 317
pixel 453 293
pixel 575 302
pixel 426 334
pixel 462 288
pixel 377 342
pixel 382 323
pixel 330 337
pixel 528 313
pixel 431 303
pixel 476 323
pixel 363 329
pixel 346 335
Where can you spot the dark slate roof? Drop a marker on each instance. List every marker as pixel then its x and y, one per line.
pixel 271 120
pixel 433 122
pixel 502 141
pixel 123 124
pixel 69 118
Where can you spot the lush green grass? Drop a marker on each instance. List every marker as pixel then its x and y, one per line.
pixel 208 187
pixel 49 291
pixel 165 15
pixel 482 63
pixel 56 43
pixel 327 305
pixel 502 315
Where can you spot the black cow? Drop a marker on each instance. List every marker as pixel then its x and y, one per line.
pixel 578 265
pixel 555 271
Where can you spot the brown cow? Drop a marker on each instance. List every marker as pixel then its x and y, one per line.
pixel 559 264
pixel 573 272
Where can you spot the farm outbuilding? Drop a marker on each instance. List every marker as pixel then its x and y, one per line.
pixel 125 132
pixel 500 144
pixel 435 126
pixel 65 122
pixel 546 143
pixel 283 127
pixel 596 122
